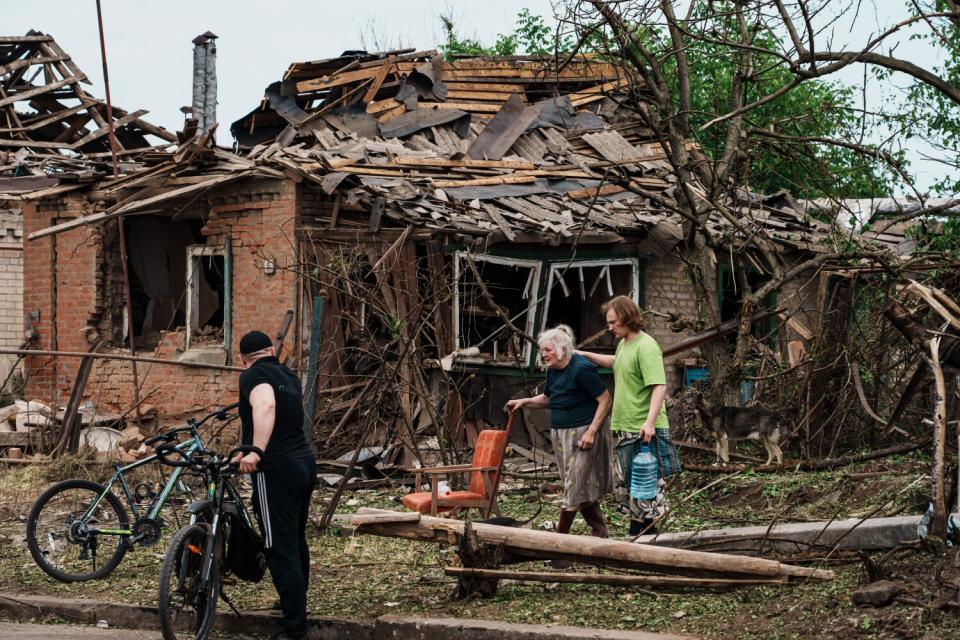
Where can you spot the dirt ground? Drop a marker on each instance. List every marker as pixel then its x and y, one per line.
pixel 366 576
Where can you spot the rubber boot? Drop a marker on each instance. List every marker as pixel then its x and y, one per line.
pixel 566 521
pixel 593 514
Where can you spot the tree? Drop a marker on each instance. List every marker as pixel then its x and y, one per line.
pixel 531 35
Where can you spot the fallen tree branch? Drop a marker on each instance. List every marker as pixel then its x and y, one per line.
pixel 613 580
pixel 812 465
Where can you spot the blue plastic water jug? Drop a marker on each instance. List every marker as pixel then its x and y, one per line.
pixel 643 475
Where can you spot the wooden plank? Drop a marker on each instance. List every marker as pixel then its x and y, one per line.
pixel 67 67
pixel 469 86
pixel 378 80
pixel 501 222
pixel 486 96
pixel 36 145
pixel 611 145
pixel 328 82
pixel 464 162
pixel 391 113
pixel 379 106
pixel 498 136
pixel 36 91
pixel 593 192
pixel 182 191
pixel 102 131
pixel 463 106
pixel 38 122
pixel 484 182
pixel 29 62
pixel 24 39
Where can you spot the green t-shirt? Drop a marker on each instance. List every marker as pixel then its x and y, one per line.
pixel 637 366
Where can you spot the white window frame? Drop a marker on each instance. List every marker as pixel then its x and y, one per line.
pixel 556 267
pixel 194 253
pixel 532 293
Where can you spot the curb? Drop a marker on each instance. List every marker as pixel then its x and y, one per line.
pixel 23 608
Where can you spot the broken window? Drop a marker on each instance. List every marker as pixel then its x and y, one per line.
pixel 156 252
pixel 513 286
pixel 576 293
pixel 207 295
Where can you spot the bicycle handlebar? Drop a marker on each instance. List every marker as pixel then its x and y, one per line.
pixel 168 448
pixel 168 436
pixel 212 461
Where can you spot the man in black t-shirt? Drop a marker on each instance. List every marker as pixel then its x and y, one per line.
pixel 271 416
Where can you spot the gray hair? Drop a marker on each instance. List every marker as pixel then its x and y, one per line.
pixel 562 338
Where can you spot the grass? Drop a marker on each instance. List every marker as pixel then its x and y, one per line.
pixel 365 576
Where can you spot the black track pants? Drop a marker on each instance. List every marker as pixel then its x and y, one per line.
pixel 281 500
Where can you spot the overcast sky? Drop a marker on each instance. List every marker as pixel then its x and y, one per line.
pixel 149 45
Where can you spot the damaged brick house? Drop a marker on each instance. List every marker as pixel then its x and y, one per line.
pixel 465 195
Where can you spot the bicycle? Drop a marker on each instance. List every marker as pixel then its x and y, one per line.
pixel 70 519
pixel 191 576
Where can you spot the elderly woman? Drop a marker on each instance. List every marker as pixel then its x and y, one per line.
pixel 639 411
pixel 579 401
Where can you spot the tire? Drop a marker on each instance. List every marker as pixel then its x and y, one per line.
pixel 187 608
pixel 54 539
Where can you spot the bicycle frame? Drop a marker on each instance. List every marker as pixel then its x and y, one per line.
pixel 218 487
pixel 188 447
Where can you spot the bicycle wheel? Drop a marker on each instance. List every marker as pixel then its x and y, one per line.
pixel 65 544
pixel 187 605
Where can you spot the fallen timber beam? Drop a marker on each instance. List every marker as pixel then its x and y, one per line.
pixel 545 545
pixel 614 580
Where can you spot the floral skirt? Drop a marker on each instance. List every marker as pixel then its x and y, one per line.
pixel 587 474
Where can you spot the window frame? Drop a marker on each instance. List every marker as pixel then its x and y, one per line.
pixel 557 266
pixel 533 295
pixel 194 253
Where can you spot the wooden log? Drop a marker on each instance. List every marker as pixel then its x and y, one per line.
pixel 613 580
pixel 548 545
pixel 360 519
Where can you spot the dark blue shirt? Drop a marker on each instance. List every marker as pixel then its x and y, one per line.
pixel 573 391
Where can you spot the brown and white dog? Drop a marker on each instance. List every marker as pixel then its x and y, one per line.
pixel 743 423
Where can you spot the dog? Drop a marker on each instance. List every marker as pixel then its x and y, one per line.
pixel 743 423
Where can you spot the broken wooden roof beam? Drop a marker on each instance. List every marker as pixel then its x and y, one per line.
pixel 52 124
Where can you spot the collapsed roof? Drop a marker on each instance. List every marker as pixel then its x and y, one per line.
pixel 511 148
pixel 50 125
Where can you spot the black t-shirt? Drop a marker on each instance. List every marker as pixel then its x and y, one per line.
pixel 287 442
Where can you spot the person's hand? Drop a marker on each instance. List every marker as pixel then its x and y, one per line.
pixel 587 439
pixel 647 431
pixel 247 463
pixel 513 405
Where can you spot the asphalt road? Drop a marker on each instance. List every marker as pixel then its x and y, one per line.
pixel 14 631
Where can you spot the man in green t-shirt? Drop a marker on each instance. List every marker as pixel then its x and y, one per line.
pixel 639 411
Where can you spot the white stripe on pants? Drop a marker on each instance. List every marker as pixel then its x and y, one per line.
pixel 264 510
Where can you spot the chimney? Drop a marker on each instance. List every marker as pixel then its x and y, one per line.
pixel 205 81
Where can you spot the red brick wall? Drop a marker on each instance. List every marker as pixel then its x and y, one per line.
pixel 258 300
pixel 667 289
